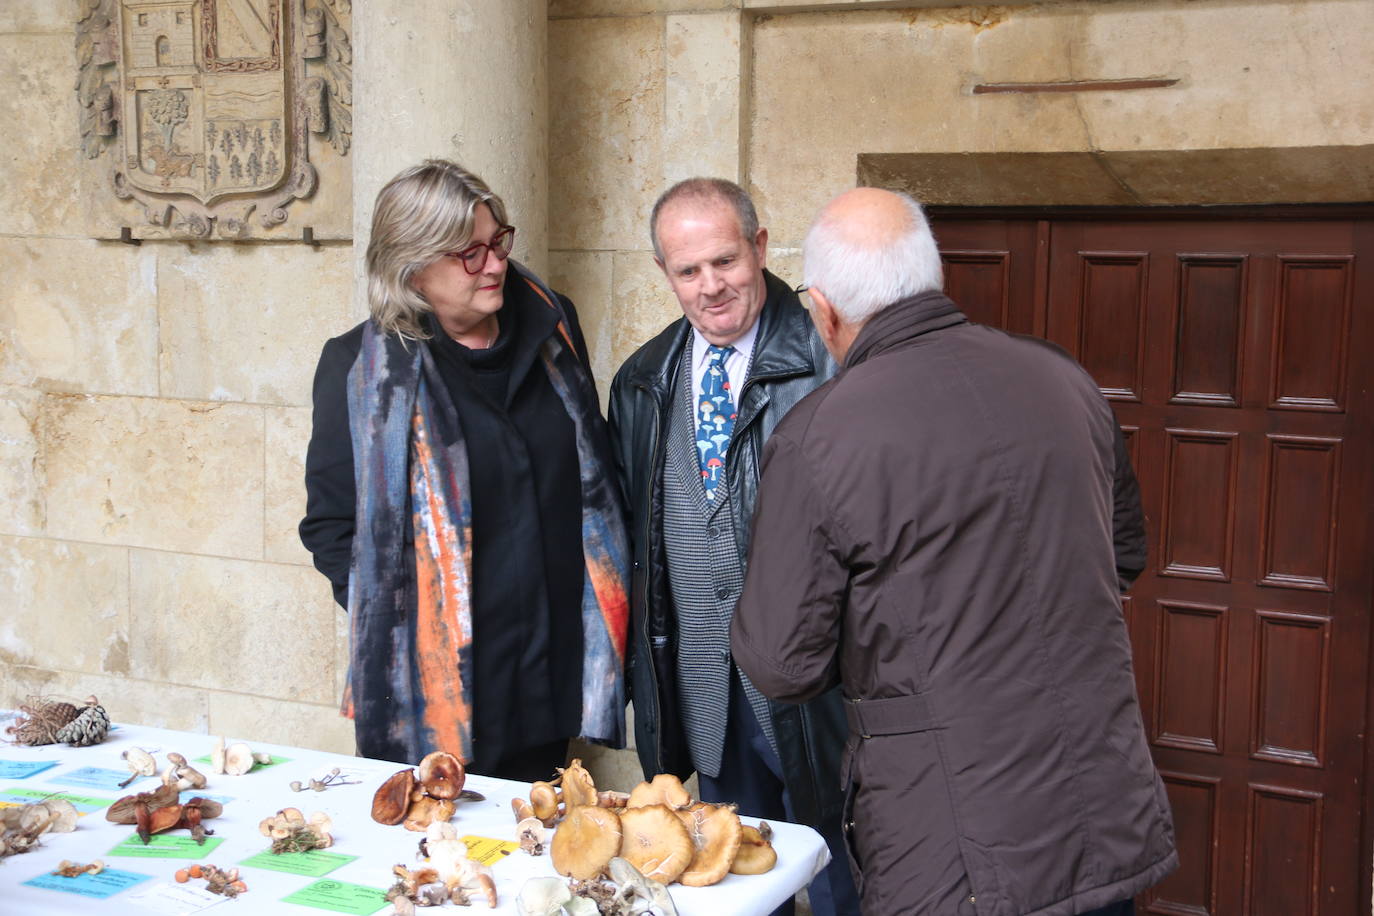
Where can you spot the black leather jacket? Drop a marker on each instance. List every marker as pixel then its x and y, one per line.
pixel 789 361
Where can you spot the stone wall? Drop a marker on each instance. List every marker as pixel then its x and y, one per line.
pixel 154 400
pixel 154 409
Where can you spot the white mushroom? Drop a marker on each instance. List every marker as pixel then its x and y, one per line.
pixel 139 762
pixel 217 755
pixel 632 884
pixel 531 832
pixel 62 815
pixel 238 759
pixel 188 777
pixel 542 897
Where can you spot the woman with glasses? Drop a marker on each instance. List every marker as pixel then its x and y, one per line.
pixel 460 496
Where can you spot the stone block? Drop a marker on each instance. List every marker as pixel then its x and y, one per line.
pixel 574 9
pixel 167 475
pixel 246 322
pixel 275 720
pixel 42 143
pixel 260 629
pixel 78 315
pixel 36 16
pixel 287 435
pixel 704 96
pixel 67 605
pixel 611 769
pixel 644 303
pixel 901 82
pixel 585 277
pixel 606 106
pixel 21 462
pixel 127 699
pixel 787 264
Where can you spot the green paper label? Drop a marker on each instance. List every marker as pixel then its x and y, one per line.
pixel 83 803
pixel 312 864
pixel 340 898
pixel 162 846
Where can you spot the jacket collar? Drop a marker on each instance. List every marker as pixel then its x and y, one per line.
pixel 902 321
pixel 782 349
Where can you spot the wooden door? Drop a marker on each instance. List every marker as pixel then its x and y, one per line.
pixel 1236 353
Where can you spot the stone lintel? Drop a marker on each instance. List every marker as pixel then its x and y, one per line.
pixel 1282 175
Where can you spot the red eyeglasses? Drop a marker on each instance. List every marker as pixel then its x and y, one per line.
pixel 474 257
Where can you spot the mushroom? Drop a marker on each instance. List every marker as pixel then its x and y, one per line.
pixel 655 841
pixel 521 809
pixel 62 815
pixel 238 759
pixel 217 755
pixel 612 799
pixel 756 853
pixel 442 775
pixel 449 857
pixel 578 787
pixel 585 842
pixel 632 883
pixel 666 789
pixel 392 799
pixel 544 800
pixel 322 825
pixel 425 811
pixel 715 831
pixel 530 833
pixel 182 774
pixel 542 897
pixel 139 762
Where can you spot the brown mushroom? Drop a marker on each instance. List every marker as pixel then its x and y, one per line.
pixel 655 841
pixel 392 799
pixel 612 799
pixel 666 789
pixel 756 853
pixel 427 811
pixel 715 831
pixel 544 801
pixel 578 787
pixel 521 809
pixel 442 775
pixel 585 842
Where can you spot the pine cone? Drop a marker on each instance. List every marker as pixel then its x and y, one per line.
pixel 43 721
pixel 90 726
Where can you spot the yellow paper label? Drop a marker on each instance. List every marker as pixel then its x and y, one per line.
pixel 487 850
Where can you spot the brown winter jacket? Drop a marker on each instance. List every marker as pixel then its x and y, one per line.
pixel 935 532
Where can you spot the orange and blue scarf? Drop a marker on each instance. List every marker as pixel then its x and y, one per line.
pixel 411 667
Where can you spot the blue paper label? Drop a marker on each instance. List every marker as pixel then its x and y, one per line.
pixel 106 884
pixel 23 769
pixel 92 778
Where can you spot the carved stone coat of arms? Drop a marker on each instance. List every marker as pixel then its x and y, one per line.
pixel 203 116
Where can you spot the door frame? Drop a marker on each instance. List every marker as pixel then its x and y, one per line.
pixel 1363 293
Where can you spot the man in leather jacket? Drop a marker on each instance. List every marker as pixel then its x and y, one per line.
pixel 690 412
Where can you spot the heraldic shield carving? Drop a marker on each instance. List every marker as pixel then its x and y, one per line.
pixel 206 108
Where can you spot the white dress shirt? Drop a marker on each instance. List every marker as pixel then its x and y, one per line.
pixel 736 364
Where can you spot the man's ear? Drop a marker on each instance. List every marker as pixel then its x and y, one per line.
pixel 661 266
pixel 761 246
pixel 824 315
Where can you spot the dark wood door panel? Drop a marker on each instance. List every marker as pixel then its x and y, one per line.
pixel 1232 354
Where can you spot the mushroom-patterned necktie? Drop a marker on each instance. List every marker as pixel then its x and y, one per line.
pixel 715 419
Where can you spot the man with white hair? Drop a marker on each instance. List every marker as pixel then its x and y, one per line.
pixel 943 530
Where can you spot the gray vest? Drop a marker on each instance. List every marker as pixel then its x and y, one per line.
pixel 706 573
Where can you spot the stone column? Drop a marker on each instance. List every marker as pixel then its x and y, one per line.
pixel 458 79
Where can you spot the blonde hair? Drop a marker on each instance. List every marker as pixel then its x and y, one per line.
pixel 423 212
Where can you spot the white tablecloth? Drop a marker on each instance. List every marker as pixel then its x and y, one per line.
pixel 250 798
